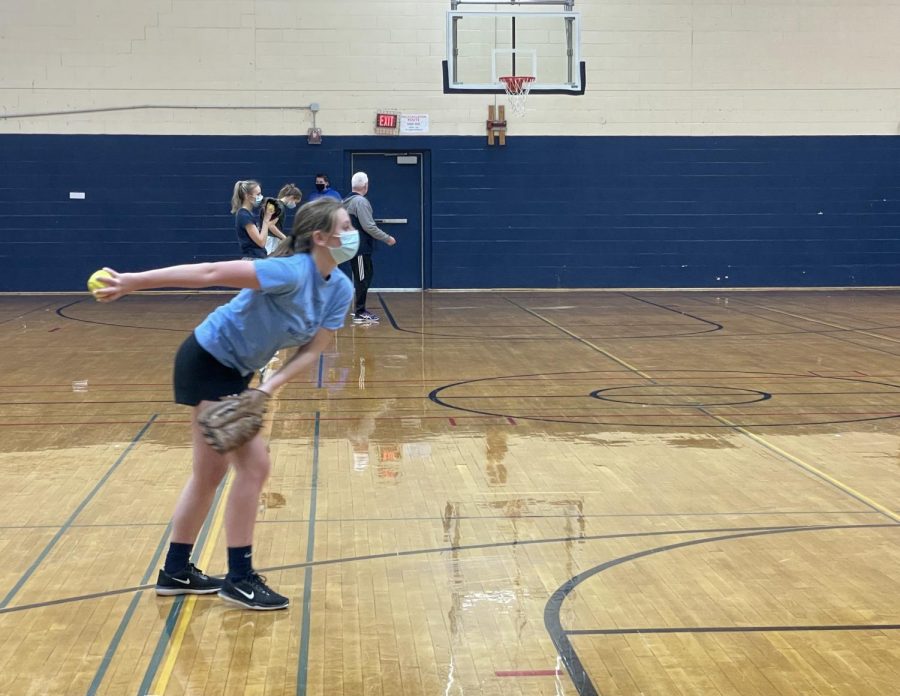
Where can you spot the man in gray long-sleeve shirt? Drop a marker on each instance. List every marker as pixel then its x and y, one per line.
pixel 361 215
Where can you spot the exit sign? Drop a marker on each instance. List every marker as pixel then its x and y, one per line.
pixel 387 122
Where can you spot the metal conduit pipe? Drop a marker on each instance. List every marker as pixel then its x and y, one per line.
pixel 314 108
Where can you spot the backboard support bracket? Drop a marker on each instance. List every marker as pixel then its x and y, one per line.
pixel 496 124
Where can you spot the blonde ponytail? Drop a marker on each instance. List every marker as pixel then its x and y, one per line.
pixel 241 191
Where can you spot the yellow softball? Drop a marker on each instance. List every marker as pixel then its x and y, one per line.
pixel 94 281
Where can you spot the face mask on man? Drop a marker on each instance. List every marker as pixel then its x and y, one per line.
pixel 291 205
pixel 348 248
pixel 320 187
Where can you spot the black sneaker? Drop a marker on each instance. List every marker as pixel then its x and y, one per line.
pixel 253 593
pixel 187 581
pixel 368 316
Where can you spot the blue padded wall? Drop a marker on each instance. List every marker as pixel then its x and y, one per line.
pixel 668 212
pixel 542 212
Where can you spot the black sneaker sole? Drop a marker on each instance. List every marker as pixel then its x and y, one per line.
pixel 246 604
pixel 173 591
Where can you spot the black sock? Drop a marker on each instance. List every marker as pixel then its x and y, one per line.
pixel 178 557
pixel 240 562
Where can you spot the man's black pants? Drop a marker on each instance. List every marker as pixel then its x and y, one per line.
pixel 362 280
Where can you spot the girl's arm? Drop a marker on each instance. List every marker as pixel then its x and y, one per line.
pixel 259 236
pixel 305 357
pixel 231 274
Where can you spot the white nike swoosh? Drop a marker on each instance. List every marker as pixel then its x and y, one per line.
pixel 183 582
pixel 248 596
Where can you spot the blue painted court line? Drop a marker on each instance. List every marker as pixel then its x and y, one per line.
pixel 175 611
pixel 168 629
pixel 68 523
pixel 123 624
pixel 321 368
pixel 303 664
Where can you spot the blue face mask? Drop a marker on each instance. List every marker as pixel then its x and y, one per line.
pixel 257 200
pixel 348 248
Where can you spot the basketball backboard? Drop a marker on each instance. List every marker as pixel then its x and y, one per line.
pixel 522 38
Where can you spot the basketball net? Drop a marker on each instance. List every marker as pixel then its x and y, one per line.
pixel 517 89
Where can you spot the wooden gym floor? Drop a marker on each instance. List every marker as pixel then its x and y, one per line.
pixel 584 493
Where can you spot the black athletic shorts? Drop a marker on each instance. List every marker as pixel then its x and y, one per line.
pixel 198 376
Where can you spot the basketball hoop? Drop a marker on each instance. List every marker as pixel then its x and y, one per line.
pixel 517 89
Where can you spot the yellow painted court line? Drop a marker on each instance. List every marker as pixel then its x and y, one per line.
pixel 825 323
pixel 762 441
pixel 814 470
pixel 587 342
pixel 165 672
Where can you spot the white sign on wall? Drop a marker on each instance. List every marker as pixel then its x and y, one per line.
pixel 413 123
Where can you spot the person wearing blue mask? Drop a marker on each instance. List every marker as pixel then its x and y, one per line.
pixel 288 198
pixel 246 198
pixel 295 298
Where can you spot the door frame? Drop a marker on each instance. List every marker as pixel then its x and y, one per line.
pixel 424 199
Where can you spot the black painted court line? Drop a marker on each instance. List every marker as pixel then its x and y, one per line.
pixel 574 516
pixel 524 516
pixel 126 618
pixel 597 418
pixel 431 334
pixel 585 341
pixel 500 395
pixel 716 326
pixel 30 311
pixel 590 419
pixel 822 477
pixel 303 658
pixel 560 637
pixel 795 332
pixel 831 324
pixel 69 600
pixel 727 629
pixel 824 334
pixel 61 313
pixel 75 513
pixel 470 547
pixel 397 327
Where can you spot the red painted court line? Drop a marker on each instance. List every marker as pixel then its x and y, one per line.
pixel 528 673
pixel 512 421
pixel 593 419
pixel 52 330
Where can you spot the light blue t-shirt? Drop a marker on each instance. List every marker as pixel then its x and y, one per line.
pixel 294 301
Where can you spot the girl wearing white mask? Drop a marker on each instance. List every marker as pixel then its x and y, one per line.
pixel 289 198
pixel 295 299
pixel 245 199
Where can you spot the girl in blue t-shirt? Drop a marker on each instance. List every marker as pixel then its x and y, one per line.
pixel 245 198
pixel 293 299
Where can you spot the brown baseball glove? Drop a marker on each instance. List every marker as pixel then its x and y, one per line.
pixel 234 420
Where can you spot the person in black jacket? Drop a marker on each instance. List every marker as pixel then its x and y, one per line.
pixel 288 198
pixel 361 215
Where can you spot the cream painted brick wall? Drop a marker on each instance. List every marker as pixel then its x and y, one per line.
pixel 655 67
